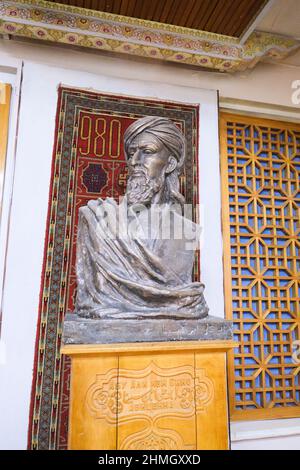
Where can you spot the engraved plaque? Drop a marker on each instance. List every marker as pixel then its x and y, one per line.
pixel 149 395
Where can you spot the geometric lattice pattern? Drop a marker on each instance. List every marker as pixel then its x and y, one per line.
pixel 261 224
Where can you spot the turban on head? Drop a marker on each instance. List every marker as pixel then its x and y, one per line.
pixel 164 130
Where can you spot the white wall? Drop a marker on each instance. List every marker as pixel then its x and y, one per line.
pixel 11 74
pixel 279 434
pixel 266 83
pixel 44 68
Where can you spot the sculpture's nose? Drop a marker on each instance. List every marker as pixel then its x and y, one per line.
pixel 136 158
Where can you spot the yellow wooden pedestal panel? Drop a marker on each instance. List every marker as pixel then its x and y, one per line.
pixel 149 396
pixel 212 407
pixel 162 413
pixel 89 430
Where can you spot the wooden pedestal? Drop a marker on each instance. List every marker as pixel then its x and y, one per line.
pixel 149 396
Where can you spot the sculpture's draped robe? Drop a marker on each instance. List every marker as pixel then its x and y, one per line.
pixel 124 273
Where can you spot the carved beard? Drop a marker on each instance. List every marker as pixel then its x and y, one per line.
pixel 141 189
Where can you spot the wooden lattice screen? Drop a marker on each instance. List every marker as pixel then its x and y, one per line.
pixel 260 166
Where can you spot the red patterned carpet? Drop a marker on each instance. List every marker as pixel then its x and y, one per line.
pixel 88 162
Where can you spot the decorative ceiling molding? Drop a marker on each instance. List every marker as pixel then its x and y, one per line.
pixel 63 24
pixel 226 17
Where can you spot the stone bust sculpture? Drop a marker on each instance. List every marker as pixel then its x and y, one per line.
pixel 135 258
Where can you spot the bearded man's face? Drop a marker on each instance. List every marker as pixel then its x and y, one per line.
pixel 147 160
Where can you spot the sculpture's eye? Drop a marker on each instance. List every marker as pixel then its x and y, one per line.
pixel 148 151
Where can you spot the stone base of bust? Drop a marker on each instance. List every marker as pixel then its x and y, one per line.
pixel 78 330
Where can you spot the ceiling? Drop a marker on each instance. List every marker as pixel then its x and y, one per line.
pixel 227 17
pixel 284 18
pixel 260 30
